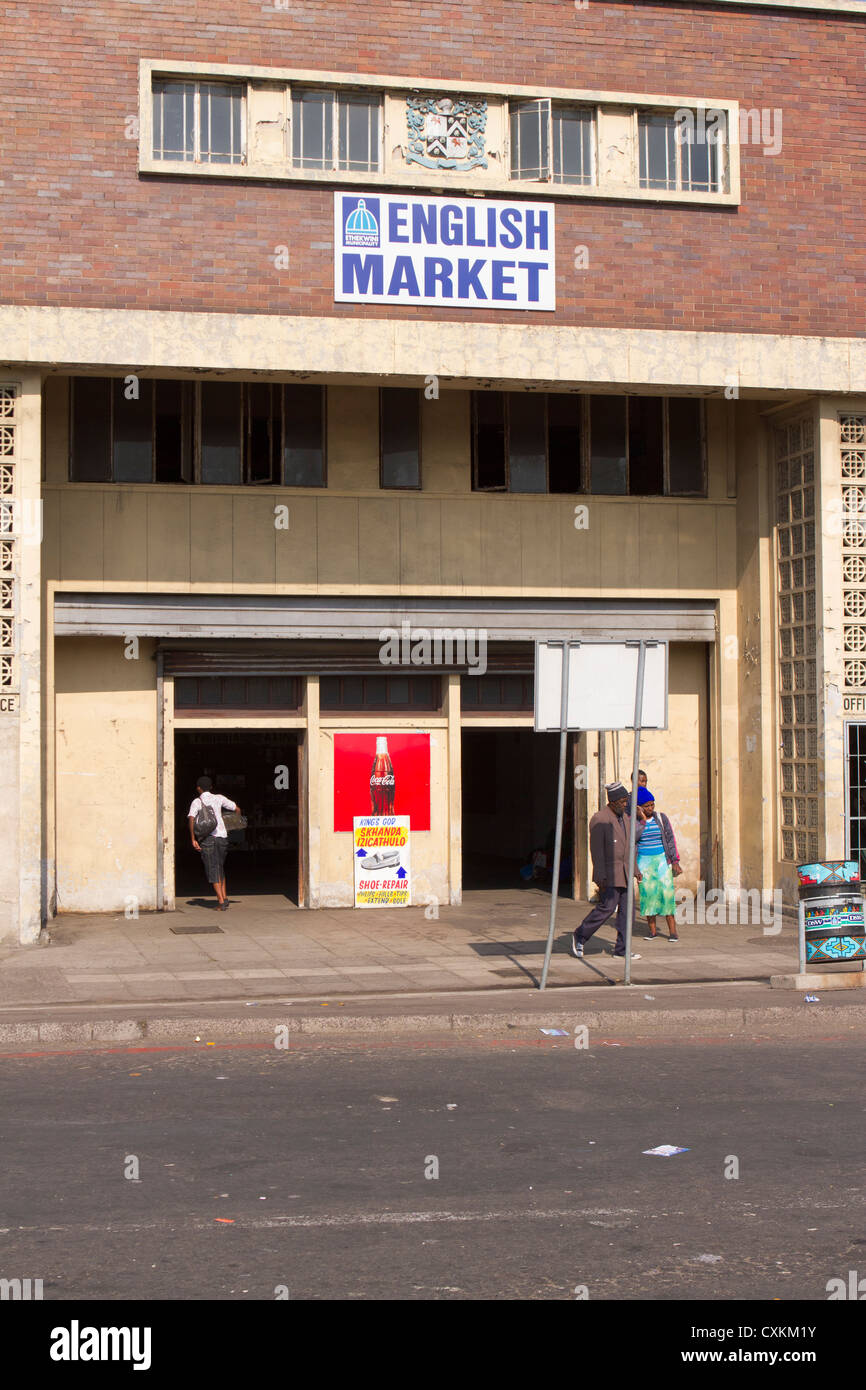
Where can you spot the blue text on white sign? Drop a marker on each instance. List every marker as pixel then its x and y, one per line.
pixel 467 252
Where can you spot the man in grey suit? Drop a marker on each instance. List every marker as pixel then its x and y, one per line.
pixel 608 846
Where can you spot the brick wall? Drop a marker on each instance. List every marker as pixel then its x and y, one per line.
pixel 80 227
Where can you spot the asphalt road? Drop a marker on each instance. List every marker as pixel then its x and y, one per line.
pixel 259 1168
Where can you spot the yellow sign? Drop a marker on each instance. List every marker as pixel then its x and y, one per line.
pixel 381 853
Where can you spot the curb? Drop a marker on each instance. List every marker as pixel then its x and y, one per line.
pixel 645 1022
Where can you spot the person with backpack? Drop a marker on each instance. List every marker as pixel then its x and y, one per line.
pixel 209 836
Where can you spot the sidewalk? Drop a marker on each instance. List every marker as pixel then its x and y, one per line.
pixel 173 976
pixel 265 948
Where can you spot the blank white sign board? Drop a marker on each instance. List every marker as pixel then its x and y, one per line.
pixel 602 682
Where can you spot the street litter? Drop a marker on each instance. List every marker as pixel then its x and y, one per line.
pixel 665 1150
pixel 708 1259
pixel 554 1032
pixel 649 996
pixel 811 999
pixel 451 1107
pixel 225 1220
pixel 251 1006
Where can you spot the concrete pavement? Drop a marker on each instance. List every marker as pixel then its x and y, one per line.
pixel 483 958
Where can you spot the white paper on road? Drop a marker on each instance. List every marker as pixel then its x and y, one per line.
pixel 665 1150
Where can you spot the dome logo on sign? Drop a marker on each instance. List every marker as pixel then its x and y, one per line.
pixel 361 225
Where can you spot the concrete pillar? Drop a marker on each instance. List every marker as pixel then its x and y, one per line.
pixel 313 780
pixel 455 792
pixel 20 655
pixel 830 646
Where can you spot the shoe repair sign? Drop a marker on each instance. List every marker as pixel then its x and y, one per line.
pixel 381 850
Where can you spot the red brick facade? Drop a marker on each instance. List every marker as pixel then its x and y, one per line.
pixel 81 227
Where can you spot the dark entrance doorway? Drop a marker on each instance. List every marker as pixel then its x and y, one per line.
pixel 509 780
pixel 258 768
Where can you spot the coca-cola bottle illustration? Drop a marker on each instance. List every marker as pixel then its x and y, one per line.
pixel 382 780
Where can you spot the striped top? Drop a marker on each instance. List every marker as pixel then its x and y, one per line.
pixel 650 841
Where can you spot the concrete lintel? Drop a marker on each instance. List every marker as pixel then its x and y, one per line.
pixel 492 354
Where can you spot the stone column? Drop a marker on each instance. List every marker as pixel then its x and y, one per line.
pixel 20 655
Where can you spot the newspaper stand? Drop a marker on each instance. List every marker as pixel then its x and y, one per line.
pixel 831 921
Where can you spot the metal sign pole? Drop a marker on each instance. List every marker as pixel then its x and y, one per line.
pixel 632 827
pixel 560 801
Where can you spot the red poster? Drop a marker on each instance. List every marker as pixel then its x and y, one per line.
pixel 382 774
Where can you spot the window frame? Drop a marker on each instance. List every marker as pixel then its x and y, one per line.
pixel 608 181
pixel 585 459
pixel 339 96
pixel 506 489
pixel 226 708
pixel 197 83
pixel 191 434
pixel 723 170
pixel 546 122
pixel 365 707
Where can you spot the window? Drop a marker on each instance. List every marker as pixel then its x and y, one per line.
pixel 130 435
pixel 262 433
pixel 399 437
pixel 572 144
pixel 643 446
pixel 680 151
pixel 530 140
pixel 198 122
pixel 526 442
pixel 646 446
pixel 856 818
pixel 173 415
pixel 380 693
pixel 489 692
pixel 249 693
pixel 358 146
pixel 304 436
pixel 537 127
pixel 685 451
pixel 314 116
pixel 90 430
pixel 221 433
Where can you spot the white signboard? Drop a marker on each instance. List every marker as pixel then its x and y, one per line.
pixel 382 871
pixel 474 253
pixel 602 682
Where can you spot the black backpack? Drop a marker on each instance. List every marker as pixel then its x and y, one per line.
pixel 205 822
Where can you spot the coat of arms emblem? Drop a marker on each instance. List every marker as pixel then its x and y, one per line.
pixel 446 133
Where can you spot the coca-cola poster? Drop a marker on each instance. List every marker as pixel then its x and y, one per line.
pixel 382 775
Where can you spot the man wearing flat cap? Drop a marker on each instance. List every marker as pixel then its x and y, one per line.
pixel 608 846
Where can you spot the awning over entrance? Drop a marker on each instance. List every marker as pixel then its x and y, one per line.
pixel 362 617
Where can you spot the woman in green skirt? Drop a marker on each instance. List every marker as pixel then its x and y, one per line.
pixel 658 863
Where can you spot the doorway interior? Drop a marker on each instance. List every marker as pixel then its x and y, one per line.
pixel 509 781
pixel 259 769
